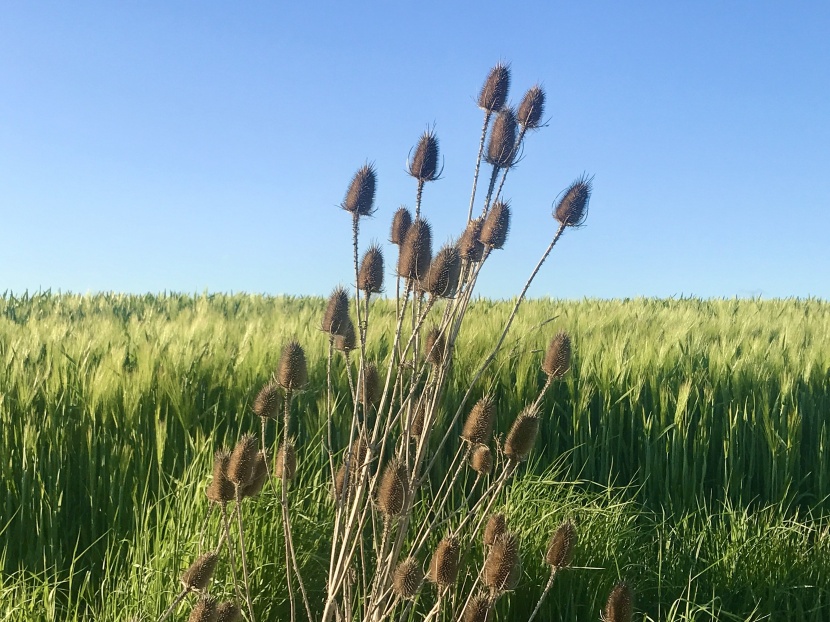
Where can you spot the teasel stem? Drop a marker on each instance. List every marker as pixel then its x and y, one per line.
pixel 544 593
pixel 516 148
pixel 418 198
pixel 436 610
pixel 540 397
pixel 491 494
pixel 493 176
pixel 383 551
pixel 487 115
pixel 231 556
pixel 242 552
pixel 329 410
pixel 173 605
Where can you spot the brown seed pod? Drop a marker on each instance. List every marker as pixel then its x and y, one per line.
pixel 478 427
pixel 443 568
pixel 370 275
pixel 259 475
pixel 494 92
pixel 469 245
pixel 360 197
pixel 620 605
pixel 204 611
pixel 228 612
pixel 357 458
pixel 371 381
pixel 336 315
pixel 482 460
pixel 401 222
pixel 501 150
pixel 561 547
pixel 286 462
pixel 532 108
pixel 501 559
pixel 242 460
pixel 435 346
pixel 424 164
pixel 197 577
pixel 416 428
pixel 557 359
pixel 221 489
pixel 478 609
pixel 393 487
pixel 522 435
pixel 346 341
pixel 416 251
pixel 496 526
pixel 444 272
pixel 268 402
pixel 408 578
pixel 496 225
pixel 572 208
pixel 292 372
pixel 339 480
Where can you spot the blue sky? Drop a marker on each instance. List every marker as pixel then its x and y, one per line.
pixel 191 146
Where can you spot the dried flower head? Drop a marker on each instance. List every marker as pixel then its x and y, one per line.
pixel 336 315
pixel 357 458
pixel 228 612
pixel 532 108
pixel 401 222
pixel 339 480
pixel 496 525
pixel 424 164
pixel 501 150
pixel 496 225
pixel 393 487
pixel 522 435
pixel 494 92
pixel 435 346
pixel 444 273
pixel 197 577
pixel 503 556
pixel 561 548
pixel 482 460
pixel 469 245
pixel 408 578
pixel 557 359
pixel 259 475
pixel 241 465
pixel 204 611
pixel 346 340
pixel 478 609
pixel 360 197
pixel 370 275
pixel 443 568
pixel 286 461
pixel 221 489
pixel 478 427
pixel 620 605
pixel 419 414
pixel 268 402
pixel 572 208
pixel 416 251
pixel 292 372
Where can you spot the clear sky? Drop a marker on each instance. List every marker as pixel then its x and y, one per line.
pixel 192 146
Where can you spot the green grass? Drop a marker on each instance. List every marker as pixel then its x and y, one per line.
pixel 691 442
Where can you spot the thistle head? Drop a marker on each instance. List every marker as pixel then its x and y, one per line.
pixel 481 460
pixel 221 489
pixel 620 604
pixel 268 402
pixel 197 577
pixel 478 609
pixel 557 359
pixel 561 548
pixel 258 476
pixel 500 562
pixel 416 251
pixel 494 92
pixel 469 244
pixel 435 346
pixel 572 208
pixel 522 435
pixel 241 465
pixel 496 225
pixel 496 525
pixel 532 108
pixel 292 372
pixel 369 389
pixel 204 611
pixel 370 275
pixel 501 150
pixel 424 163
pixel 336 315
pixel 401 222
pixel 443 567
pixel 393 489
pixel 478 427
pixel 228 612
pixel 360 197
pixel 346 340
pixel 444 273
pixel 407 578
pixel 419 414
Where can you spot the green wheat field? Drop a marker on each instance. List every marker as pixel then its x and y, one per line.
pixel 690 444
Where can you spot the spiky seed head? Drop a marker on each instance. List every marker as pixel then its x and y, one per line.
pixel 393 487
pixel 443 568
pixel 408 578
pixel 258 476
pixel 336 315
pixel 444 273
pixel 242 460
pixel 286 462
pixel 469 245
pixel 292 372
pixel 346 340
pixel 424 163
pixel 435 346
pixel 478 427
pixel 221 489
pixel 557 359
pixel 572 208
pixel 204 611
pixel 503 556
pixel 197 577
pixel 501 150
pixel 522 435
pixel 416 251
pixel 370 275
pixel 478 609
pixel 357 458
pixel 228 612
pixel 360 197
pixel 482 460
pixel 339 480
pixel 371 382
pixel 620 605
pixel 496 225
pixel 494 92
pixel 532 108
pixel 561 548
pixel 268 402
pixel 416 428
pixel 401 222
pixel 496 525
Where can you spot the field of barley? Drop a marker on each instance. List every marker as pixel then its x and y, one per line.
pixel 689 443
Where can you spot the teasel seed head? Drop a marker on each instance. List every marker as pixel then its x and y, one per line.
pixel 419 414
pixel 557 359
pixel 503 556
pixel 221 489
pixel 339 480
pixel 259 475
pixel 443 568
pixel 346 340
pixel 482 460
pixel 204 611
pixel 620 605
pixel 501 150
pixel 286 462
pixel 496 526
pixel 360 197
pixel 393 487
pixel 478 427
pixel 268 402
pixel 292 372
pixel 336 315
pixel 408 578
pixel 496 225
pixel 478 609
pixel 371 381
pixel 416 251
pixel 444 272
pixel 228 612
pixel 401 222
pixel 494 92
pixel 197 577
pixel 370 275
pixel 357 458
pixel 242 461
pixel 522 435
pixel 435 346
pixel 561 548
pixel 424 163
pixel 572 208
pixel 469 245
pixel 532 108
